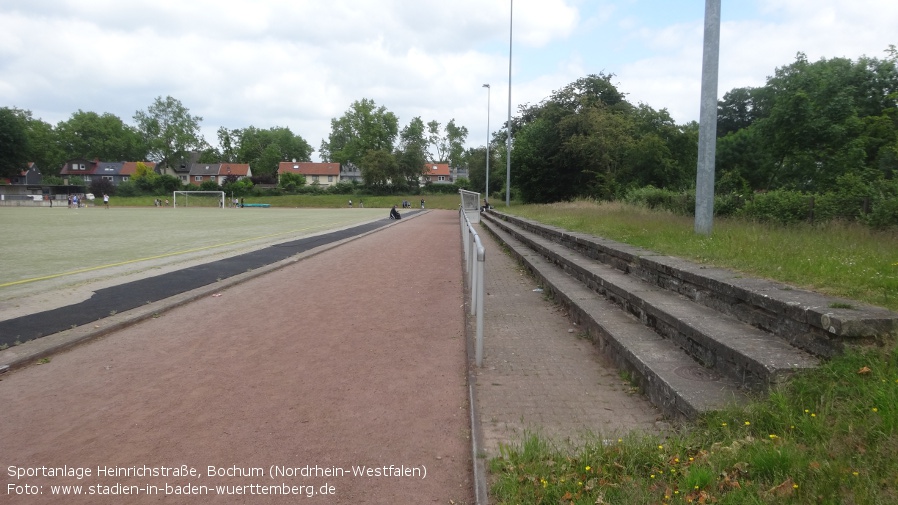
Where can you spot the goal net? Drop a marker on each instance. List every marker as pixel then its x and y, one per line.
pixel 470 204
pixel 199 199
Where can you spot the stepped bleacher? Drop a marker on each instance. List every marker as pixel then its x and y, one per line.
pixel 694 338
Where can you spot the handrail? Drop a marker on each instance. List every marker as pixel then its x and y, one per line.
pixel 472 246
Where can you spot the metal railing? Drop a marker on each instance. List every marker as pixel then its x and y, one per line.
pixel 475 255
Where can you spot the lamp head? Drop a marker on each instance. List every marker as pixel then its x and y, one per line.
pixel 486 85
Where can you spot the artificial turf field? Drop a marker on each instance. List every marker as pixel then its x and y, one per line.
pixel 43 244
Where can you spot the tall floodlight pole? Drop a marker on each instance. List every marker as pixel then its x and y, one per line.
pixel 707 132
pixel 508 125
pixel 487 86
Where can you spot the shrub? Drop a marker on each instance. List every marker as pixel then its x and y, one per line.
pixel 101 187
pixel 342 188
pixel 781 206
pixel 678 202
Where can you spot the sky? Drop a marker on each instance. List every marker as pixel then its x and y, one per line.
pixel 301 63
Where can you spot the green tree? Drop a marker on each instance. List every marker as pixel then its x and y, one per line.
pixel 364 127
pixel 264 149
pixel 291 182
pixel 815 122
pixel 446 145
pixel 14 142
pixel 379 169
pixel 45 150
pixel 93 136
pixel 411 155
pixel 169 131
pixel 145 179
pixel 741 108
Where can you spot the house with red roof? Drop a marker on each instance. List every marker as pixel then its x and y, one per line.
pixel 324 174
pixel 238 170
pixel 436 173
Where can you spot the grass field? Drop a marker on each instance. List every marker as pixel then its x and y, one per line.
pixel 842 259
pixel 51 243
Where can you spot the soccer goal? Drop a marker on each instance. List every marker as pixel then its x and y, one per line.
pixel 470 204
pixel 198 199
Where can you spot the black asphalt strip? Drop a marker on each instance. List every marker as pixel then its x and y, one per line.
pixel 134 294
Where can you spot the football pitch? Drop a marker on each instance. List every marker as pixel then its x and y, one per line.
pixel 45 248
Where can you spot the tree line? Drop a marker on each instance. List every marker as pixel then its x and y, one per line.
pixel 814 127
pixel 167 133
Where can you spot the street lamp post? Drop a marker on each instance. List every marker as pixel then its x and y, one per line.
pixel 508 125
pixel 487 86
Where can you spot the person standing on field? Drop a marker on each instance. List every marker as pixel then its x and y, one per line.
pixel 106 201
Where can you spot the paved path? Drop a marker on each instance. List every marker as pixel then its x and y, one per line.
pixel 539 374
pixel 353 357
pixel 347 359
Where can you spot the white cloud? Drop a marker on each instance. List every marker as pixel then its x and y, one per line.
pixel 300 63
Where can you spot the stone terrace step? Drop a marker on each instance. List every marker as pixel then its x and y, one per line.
pixel 669 377
pixel 751 357
pixel 820 324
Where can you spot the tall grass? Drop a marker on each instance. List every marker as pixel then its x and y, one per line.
pixel 840 259
pixel 827 436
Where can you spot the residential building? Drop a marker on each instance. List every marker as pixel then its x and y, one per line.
pixel 78 167
pixel 28 177
pixel 436 173
pixel 129 168
pixel 324 174
pixel 202 172
pixel 238 170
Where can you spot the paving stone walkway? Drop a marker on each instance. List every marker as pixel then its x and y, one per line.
pixel 540 374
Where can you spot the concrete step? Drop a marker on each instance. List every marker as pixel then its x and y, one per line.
pixel 820 324
pixel 755 359
pixel 672 380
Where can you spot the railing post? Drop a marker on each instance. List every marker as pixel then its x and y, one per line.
pixel 474 266
pixel 481 260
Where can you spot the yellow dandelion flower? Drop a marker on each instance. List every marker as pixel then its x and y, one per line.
pixel 855 474
pixel 676 460
pixel 661 447
pixel 579 482
pixel 588 468
pixel 794 486
pixel 652 476
pixel 773 437
pixel 747 423
pixel 723 424
pixel 813 415
pixel 875 409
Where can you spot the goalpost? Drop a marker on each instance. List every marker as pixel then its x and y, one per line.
pixel 198 199
pixel 470 204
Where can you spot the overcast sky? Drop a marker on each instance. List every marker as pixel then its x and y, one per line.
pixel 300 63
